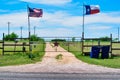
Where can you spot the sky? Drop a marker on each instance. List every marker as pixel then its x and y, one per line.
pixel 61 18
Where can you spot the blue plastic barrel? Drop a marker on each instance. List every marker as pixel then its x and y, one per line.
pixel 105 52
pixel 95 50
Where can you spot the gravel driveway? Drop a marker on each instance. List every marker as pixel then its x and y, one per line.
pixel 68 64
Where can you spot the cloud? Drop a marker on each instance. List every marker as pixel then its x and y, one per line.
pixel 16 19
pixel 103 18
pixel 58 18
pixel 58 32
pixel 96 27
pixel 59 22
pixel 49 2
pixel 62 19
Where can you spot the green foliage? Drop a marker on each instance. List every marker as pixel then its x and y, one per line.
pixel 10 37
pixel 115 39
pixel 106 38
pixel 34 38
pixel 59 56
pixel 113 63
pixel 14 59
pixel 58 40
pixel 73 39
pixel 41 39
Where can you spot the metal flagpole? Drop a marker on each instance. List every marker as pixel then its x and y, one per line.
pixel 83 20
pixel 28 19
pixel 83 31
pixel 29 28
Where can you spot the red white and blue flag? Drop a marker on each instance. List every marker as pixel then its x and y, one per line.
pixel 92 9
pixel 35 12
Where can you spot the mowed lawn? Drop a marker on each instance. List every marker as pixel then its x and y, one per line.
pixel 18 58
pixel 75 48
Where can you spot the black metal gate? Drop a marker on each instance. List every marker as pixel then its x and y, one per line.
pixel 61 44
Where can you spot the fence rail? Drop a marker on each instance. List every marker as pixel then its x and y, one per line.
pixel 14 44
pixel 111 44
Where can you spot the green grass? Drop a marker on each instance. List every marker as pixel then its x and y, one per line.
pixel 111 62
pixel 59 57
pixel 15 59
pixel 12 58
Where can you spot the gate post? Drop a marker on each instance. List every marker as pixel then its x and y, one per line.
pixel 68 44
pixel 82 43
pixel 111 44
pixel 3 45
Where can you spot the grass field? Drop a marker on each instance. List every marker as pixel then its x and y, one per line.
pixel 18 58
pixel 111 62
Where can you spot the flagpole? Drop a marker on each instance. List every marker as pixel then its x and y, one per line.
pixel 28 19
pixel 29 28
pixel 83 30
pixel 83 20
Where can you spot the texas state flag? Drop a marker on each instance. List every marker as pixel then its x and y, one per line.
pixel 92 9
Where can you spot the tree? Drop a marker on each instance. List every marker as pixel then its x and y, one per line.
pixel 115 39
pixel 58 40
pixel 73 39
pixel 106 38
pixel 11 37
pixel 34 38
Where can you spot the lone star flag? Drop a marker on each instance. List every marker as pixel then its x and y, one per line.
pixel 92 9
pixel 35 12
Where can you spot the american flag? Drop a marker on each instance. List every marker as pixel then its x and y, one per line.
pixel 35 12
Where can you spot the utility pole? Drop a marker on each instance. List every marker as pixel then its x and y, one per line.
pixel 21 31
pixel 118 34
pixel 34 29
pixel 8 28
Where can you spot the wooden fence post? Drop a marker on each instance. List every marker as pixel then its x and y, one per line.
pixel 111 44
pixel 82 43
pixel 68 44
pixel 3 45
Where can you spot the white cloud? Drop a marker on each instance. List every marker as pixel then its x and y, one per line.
pixel 98 27
pixel 49 2
pixel 103 18
pixel 59 21
pixel 59 32
pixel 16 19
pixel 63 19
pixel 58 18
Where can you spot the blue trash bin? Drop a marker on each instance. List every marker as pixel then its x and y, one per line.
pixel 95 50
pixel 105 52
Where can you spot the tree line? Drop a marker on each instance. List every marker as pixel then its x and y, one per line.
pixel 13 36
